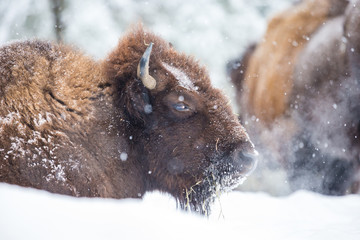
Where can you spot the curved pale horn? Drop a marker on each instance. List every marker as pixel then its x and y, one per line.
pixel 143 69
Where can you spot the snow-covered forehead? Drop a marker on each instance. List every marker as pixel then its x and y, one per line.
pixel 184 80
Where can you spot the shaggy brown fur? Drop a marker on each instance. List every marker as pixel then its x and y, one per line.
pixel 302 84
pixel 268 79
pixel 74 126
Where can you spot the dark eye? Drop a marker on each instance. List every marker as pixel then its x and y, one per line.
pixel 181 107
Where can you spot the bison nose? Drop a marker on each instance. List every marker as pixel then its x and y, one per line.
pixel 245 161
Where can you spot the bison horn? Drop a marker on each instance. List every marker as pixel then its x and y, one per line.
pixel 143 69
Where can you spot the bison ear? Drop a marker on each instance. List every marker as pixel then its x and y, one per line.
pixel 137 101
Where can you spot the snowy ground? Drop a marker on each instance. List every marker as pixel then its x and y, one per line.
pixel 33 214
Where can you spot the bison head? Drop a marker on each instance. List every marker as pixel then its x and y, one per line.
pixel 191 143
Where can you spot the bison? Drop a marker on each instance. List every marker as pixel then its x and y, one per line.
pixel 145 118
pixel 299 93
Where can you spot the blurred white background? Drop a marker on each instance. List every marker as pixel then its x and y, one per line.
pixel 214 31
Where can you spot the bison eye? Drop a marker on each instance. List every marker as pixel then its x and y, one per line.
pixel 181 107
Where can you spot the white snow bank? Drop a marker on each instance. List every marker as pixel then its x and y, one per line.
pixel 33 214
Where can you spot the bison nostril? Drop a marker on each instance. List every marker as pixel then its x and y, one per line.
pixel 245 161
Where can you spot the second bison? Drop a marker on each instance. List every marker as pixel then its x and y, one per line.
pixel 301 87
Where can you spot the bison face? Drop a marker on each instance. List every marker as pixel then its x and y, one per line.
pixel 194 146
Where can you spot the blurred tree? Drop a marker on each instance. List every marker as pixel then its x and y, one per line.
pixel 57 6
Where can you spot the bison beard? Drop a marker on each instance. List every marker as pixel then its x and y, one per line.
pixel 145 118
pixel 220 176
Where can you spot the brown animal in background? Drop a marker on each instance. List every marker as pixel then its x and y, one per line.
pixel 268 79
pixel 301 84
pixel 140 120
